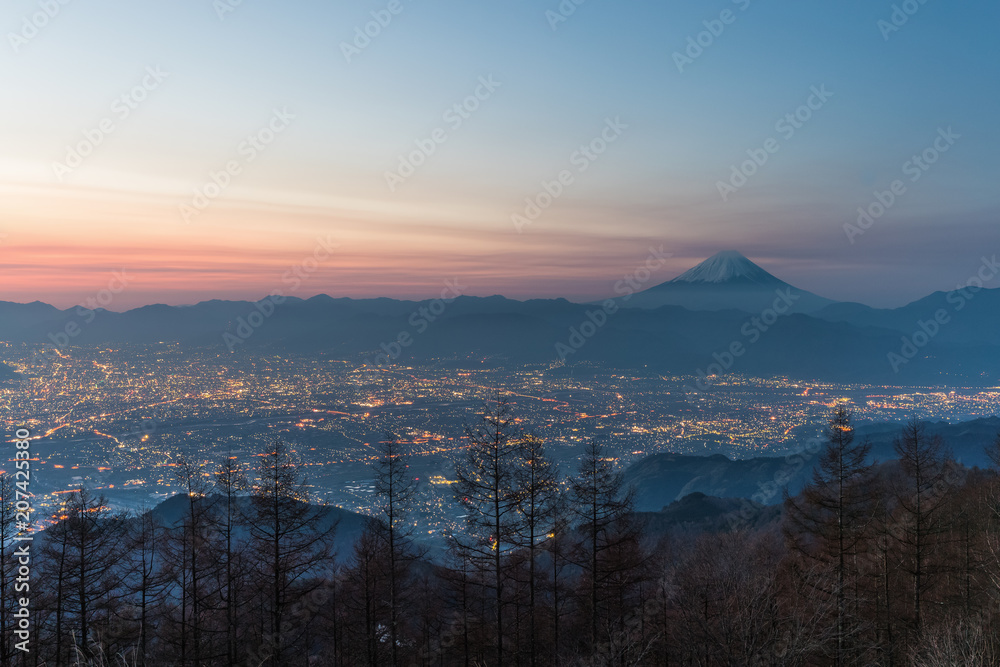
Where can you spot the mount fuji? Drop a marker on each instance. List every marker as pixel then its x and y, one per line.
pixel 724 281
pixel 678 328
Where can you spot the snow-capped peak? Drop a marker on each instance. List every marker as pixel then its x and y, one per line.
pixel 724 267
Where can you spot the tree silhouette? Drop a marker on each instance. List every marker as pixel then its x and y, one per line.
pixel 293 545
pixel 538 498
pixel 487 488
pixel 602 506
pixel 828 526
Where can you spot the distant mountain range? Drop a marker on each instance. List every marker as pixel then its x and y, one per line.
pixel 663 479
pixel 727 280
pixel 349 525
pixel 697 513
pixel 725 315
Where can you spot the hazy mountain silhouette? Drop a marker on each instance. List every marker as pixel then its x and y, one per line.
pixel 839 342
pixel 726 280
pixel 662 479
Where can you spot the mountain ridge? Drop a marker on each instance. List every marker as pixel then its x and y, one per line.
pixel 727 266
pixel 727 280
pixel 840 342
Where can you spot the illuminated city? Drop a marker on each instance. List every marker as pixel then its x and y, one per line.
pixel 116 419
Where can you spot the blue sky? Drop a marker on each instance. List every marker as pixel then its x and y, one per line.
pixel 658 183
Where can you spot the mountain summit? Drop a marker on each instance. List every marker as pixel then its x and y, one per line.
pixel 725 267
pixel 726 281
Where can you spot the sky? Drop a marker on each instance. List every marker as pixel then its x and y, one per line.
pixel 231 149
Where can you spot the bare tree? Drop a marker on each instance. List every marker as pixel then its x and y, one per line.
pixel 230 482
pixel 144 577
pixel 955 643
pixel 93 539
pixel 993 452
pixel 293 544
pixel 195 562
pixel 559 546
pixel 54 556
pixel 602 506
pixel 727 599
pixel 538 503
pixel 487 487
pixel 829 525
pixel 919 524
pixel 395 488
pixel 368 614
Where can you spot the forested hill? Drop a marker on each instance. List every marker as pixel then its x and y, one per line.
pixel 669 339
pixel 661 479
pixel 868 565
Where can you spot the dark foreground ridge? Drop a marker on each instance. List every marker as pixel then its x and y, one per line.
pixel 859 563
pixel 931 341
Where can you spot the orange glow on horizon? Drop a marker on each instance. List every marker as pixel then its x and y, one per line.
pixel 64 246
